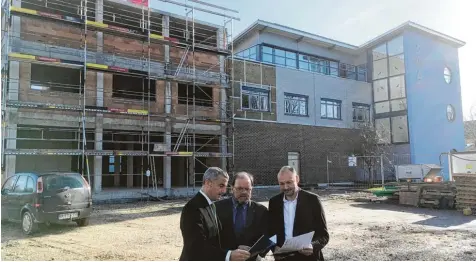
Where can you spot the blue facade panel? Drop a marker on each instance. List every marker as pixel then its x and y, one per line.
pixel 428 96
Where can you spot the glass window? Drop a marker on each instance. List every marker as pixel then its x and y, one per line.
pixel 397 65
pixel 334 68
pixel 267 54
pixel 255 99
pixel 331 109
pixel 380 69
pixel 20 185
pixel 361 112
pixel 382 127
pixel 450 113
pixel 395 46
pixel 399 129
pixel 30 185
pixel 9 183
pixel 447 75
pixel 398 105
pixel 379 52
pixel 295 104
pixel 279 57
pixel 382 107
pixel 380 90
pixel 55 182
pixel 397 87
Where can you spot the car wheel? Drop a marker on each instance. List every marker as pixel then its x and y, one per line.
pixel 82 222
pixel 28 224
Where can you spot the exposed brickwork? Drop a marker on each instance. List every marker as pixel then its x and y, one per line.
pixel 262 149
pixel 204 61
pixel 256 75
pixel 49 32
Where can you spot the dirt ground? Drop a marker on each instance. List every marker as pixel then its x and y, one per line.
pixel 359 230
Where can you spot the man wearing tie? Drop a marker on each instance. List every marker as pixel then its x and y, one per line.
pixel 295 212
pixel 243 221
pixel 200 225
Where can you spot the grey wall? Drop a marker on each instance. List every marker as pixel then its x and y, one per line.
pixel 251 40
pixel 316 86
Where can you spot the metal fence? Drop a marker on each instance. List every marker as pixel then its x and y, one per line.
pixel 363 171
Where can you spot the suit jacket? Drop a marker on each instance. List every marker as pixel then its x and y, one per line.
pixel 200 231
pixel 255 227
pixel 309 217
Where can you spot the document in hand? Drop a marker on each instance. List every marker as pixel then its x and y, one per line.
pixel 261 245
pixel 296 243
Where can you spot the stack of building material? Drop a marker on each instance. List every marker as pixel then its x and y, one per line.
pixel 466 191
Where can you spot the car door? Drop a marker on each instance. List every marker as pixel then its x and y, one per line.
pixel 16 197
pixel 6 196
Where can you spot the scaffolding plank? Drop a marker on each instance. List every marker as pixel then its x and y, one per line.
pixel 121 31
pixel 74 152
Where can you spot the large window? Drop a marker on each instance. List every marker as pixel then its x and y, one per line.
pixel 54 78
pixel 279 56
pixel 361 112
pixel 203 95
pixel 331 109
pixel 132 87
pixel 253 98
pixel 295 104
pixel 389 77
pixel 250 53
pixel 392 130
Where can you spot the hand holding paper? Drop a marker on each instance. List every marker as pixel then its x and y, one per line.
pixel 297 243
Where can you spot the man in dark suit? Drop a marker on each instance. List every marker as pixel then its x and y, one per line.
pixel 200 225
pixel 295 212
pixel 243 220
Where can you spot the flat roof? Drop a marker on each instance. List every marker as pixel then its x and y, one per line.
pixel 300 35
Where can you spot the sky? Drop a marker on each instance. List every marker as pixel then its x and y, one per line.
pixel 357 21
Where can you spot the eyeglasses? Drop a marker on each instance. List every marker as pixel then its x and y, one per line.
pixel 242 189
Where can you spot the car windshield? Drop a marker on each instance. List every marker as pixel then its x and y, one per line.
pixel 56 182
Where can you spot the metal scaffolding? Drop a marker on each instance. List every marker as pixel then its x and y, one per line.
pixel 95 19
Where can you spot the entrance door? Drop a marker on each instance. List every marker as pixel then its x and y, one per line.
pixel 293 161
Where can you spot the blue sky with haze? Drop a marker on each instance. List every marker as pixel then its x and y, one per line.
pixel 357 21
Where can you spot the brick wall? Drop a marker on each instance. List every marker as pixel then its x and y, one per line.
pixel 262 149
pixel 255 75
pixel 53 33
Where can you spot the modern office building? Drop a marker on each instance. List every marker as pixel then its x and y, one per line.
pixel 303 98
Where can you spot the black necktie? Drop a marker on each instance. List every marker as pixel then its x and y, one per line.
pixel 239 219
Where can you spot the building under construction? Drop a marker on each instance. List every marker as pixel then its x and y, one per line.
pixel 129 96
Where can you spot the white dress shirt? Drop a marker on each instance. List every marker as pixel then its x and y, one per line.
pixel 289 213
pixel 228 254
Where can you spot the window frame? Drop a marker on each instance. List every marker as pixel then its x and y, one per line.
pixel 296 97
pixel 331 102
pixel 255 91
pixel 361 106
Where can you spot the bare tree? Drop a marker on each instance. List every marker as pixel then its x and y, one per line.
pixel 470 127
pixel 375 142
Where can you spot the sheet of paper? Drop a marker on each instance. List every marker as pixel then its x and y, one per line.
pixel 296 243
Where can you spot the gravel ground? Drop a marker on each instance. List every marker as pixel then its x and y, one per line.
pixel 359 230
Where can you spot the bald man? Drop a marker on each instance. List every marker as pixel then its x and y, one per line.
pixel 295 212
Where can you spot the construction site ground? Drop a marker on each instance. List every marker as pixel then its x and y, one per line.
pixel 359 230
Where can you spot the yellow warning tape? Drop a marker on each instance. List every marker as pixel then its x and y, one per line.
pixel 98 66
pixel 185 153
pixel 155 36
pixel 22 56
pixel 23 10
pixel 96 24
pixel 137 111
